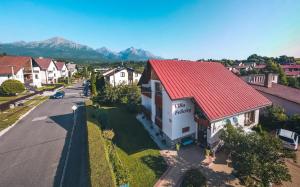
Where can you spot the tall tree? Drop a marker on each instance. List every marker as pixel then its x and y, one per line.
pixel 93 83
pixel 282 76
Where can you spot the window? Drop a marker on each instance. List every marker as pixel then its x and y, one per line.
pixel 157 88
pixel 249 118
pixel 136 74
pixel 158 112
pixel 122 74
pixel 185 129
pixel 36 76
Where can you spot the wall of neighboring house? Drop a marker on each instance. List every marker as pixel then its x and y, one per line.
pixel 18 76
pixel 136 77
pixel 52 73
pixel 119 78
pixel 290 107
pixel 37 76
pixel 64 72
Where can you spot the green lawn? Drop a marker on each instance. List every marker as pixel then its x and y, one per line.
pixel 10 116
pixel 135 148
pixel 4 99
pixel 45 87
pixel 100 171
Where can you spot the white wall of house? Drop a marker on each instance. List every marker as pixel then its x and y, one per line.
pixel 119 78
pixel 37 76
pixel 238 121
pixel 50 75
pixel 64 72
pixel 136 77
pixel 18 76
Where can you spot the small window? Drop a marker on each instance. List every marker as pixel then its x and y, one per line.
pixel 36 76
pixel 122 74
pixel 136 74
pixel 185 129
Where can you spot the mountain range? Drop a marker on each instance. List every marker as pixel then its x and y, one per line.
pixel 61 48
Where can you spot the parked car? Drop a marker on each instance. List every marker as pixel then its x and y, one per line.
pixel 58 95
pixel 288 138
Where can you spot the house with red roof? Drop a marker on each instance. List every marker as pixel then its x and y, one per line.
pixel 49 73
pixel 22 68
pixel 121 75
pixel 187 99
pixel 62 69
pixel 291 70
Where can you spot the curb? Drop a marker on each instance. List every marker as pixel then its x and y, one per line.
pixel 19 119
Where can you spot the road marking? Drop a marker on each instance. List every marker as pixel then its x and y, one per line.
pixel 68 151
pixel 40 118
pixel 72 93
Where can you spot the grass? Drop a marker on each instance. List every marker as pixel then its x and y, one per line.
pixel 135 148
pixel 10 116
pixel 99 168
pixel 4 99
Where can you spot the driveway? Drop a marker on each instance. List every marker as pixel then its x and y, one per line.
pixel 33 153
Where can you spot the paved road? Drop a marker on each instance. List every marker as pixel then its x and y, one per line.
pixel 33 152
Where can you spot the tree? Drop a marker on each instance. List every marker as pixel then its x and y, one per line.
pixel 256 158
pixel 282 76
pixel 93 83
pixel 11 87
pixel 293 82
pixel 271 66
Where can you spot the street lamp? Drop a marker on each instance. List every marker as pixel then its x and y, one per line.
pixel 74 108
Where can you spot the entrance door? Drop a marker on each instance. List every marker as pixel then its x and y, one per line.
pixel 202 135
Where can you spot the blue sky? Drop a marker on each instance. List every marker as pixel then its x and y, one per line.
pixel 187 29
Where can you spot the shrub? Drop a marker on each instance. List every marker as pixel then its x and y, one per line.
pixel 108 134
pixel 11 87
pixel 193 178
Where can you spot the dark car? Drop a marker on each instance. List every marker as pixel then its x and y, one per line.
pixel 58 95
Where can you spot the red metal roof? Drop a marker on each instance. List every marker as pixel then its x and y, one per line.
pixel 217 91
pixel 43 62
pixel 7 69
pixel 17 61
pixel 296 66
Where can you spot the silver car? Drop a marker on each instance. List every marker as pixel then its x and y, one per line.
pixel 288 138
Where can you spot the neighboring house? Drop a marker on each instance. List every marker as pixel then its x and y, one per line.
pixel 121 75
pixel 31 70
pixel 71 68
pixel 196 100
pixel 49 73
pixel 11 72
pixel 62 69
pixel 280 95
pixel 292 70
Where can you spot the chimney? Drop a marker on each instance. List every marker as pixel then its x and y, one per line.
pixel 268 80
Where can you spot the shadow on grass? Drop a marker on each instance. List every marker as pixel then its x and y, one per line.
pixel 155 163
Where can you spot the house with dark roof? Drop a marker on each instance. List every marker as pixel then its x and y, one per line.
pixel 49 72
pixel 62 69
pixel 10 65
pixel 196 100
pixel 121 75
pixel 280 95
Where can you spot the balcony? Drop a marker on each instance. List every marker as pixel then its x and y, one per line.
pixel 146 91
pixel 201 121
pixel 158 99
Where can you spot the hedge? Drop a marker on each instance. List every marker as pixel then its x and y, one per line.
pixel 11 87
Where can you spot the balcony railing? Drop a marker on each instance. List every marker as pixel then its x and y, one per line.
pixel 146 91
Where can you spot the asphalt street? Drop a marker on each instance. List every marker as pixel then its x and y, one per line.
pixel 33 153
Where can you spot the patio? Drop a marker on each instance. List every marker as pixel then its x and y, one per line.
pixel 216 170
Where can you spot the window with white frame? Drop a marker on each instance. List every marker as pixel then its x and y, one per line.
pixel 122 74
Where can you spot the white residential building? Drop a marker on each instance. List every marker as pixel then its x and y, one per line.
pixel 196 100
pixel 121 75
pixel 31 70
pixel 71 68
pixel 62 69
pixel 49 73
pixel 10 72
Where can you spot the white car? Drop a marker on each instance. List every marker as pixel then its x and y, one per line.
pixel 288 138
